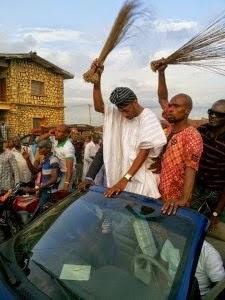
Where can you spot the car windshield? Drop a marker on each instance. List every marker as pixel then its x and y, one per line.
pixel 100 248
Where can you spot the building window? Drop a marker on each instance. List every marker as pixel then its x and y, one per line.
pixel 2 89
pixel 37 122
pixel 37 88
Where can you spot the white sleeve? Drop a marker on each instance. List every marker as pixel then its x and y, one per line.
pixel 213 263
pixel 151 134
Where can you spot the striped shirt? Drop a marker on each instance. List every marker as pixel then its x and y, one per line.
pixel 49 163
pixel 211 172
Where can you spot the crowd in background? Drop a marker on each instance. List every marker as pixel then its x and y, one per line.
pixel 54 161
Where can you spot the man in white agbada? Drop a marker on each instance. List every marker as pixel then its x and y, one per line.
pixel 132 136
pixel 90 151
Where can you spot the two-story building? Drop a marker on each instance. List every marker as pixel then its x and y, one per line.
pixel 31 92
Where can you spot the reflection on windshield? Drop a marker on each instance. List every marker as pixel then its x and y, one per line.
pixel 107 249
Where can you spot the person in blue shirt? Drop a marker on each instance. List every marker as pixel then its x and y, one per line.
pixel 48 169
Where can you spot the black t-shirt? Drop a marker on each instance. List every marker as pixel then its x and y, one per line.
pixel 211 172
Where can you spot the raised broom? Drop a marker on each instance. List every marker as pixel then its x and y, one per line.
pixel 205 50
pixel 126 17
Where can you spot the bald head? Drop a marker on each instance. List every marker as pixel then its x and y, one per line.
pixel 219 106
pixel 187 101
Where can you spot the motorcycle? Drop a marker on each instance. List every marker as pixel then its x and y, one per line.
pixel 18 210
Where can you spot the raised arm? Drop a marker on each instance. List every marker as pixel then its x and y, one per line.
pixel 97 94
pixel 33 169
pixel 160 66
pixel 46 135
pixel 162 88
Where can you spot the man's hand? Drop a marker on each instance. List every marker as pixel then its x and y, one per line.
pixel 25 154
pixel 117 188
pixel 158 65
pixel 170 207
pixel 213 223
pixel 97 66
pixel 84 185
pixel 5 196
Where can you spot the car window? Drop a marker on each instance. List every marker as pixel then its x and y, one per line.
pixel 106 249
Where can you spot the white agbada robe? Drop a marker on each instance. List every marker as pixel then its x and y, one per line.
pixel 122 140
pixel 90 151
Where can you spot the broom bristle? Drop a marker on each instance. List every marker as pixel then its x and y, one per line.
pixel 205 50
pixel 126 17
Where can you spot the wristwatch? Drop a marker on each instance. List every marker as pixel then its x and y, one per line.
pixel 215 214
pixel 128 177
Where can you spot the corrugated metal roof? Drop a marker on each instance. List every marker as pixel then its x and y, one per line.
pixel 39 60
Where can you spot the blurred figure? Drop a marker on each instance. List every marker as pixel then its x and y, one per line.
pixel 49 168
pixel 87 140
pixel 24 172
pixel 4 131
pixel 9 145
pixel 9 174
pixel 90 151
pixel 95 167
pixel 65 152
pixel 78 144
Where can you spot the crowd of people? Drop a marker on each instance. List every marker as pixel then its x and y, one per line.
pixel 179 164
pixel 54 162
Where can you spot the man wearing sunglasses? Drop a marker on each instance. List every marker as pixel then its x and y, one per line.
pixel 209 193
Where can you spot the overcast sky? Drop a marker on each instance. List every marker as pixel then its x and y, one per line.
pixel 70 33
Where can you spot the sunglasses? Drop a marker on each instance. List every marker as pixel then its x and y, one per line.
pixel 216 113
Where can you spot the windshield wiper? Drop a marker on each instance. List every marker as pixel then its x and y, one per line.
pixel 64 288
pixel 4 261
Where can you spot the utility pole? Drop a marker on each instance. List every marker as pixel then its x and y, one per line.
pixel 89 109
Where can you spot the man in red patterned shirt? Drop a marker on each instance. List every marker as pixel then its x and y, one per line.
pixel 180 159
